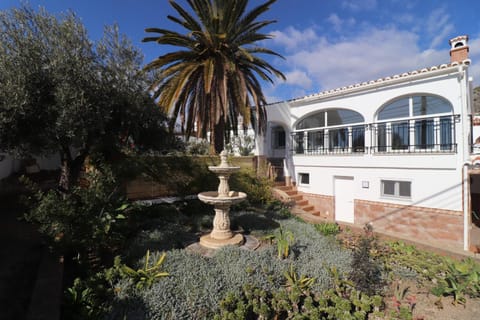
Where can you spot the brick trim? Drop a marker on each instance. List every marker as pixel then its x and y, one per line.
pixel 436 227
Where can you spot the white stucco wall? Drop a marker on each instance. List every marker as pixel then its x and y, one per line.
pixel 436 179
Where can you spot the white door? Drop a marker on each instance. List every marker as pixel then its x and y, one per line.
pixel 344 199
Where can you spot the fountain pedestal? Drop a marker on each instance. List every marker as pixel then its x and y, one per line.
pixel 222 200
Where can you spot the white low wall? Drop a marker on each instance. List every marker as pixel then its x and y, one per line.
pixel 9 164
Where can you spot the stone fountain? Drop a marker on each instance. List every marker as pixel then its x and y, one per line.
pixel 222 200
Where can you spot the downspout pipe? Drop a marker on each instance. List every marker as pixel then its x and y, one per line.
pixel 466 206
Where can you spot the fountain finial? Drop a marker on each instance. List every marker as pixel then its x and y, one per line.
pixel 223 159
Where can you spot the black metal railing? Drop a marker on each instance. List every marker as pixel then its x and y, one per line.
pixel 424 135
pixel 421 135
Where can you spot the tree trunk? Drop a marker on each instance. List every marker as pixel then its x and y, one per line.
pixel 70 170
pixel 64 183
pixel 218 134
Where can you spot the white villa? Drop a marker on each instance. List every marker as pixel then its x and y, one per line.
pixel 395 153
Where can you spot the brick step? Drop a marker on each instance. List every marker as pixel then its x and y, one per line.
pixel 291 192
pixel 308 208
pixel 297 197
pixel 315 213
pixel 284 187
pixel 278 184
pixel 311 218
pixel 300 202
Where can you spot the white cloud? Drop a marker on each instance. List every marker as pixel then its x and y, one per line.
pixel 299 78
pixel 356 5
pixel 372 54
pixel 338 23
pixel 438 26
pixel 293 38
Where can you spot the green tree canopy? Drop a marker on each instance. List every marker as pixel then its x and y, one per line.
pixel 213 78
pixel 63 93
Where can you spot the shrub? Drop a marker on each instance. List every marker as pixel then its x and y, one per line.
pixel 87 220
pixel 366 272
pixel 328 228
pixel 258 189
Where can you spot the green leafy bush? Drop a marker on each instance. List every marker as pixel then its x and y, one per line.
pixel 258 189
pixel 92 297
pixel 328 228
pixel 461 278
pixel 87 220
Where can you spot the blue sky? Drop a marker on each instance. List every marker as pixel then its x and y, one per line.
pixel 326 43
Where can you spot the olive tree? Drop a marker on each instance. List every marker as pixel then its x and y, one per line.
pixel 63 93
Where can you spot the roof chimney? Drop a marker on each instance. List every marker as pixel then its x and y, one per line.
pixel 459 49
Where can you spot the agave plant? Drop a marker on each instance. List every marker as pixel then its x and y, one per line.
pixel 146 276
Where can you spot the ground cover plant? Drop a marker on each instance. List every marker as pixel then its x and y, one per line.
pixel 196 285
pixel 353 276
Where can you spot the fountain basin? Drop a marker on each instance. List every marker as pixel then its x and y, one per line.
pixel 212 197
pixel 223 170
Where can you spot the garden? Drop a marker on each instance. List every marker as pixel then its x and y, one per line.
pixel 131 260
pixel 86 102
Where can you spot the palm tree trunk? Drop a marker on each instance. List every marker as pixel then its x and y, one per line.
pixel 218 141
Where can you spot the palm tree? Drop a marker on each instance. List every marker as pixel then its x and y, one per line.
pixel 212 79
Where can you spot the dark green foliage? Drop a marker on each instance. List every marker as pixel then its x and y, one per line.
pixel 64 94
pixel 366 271
pixel 91 297
pixel 187 175
pixel 86 221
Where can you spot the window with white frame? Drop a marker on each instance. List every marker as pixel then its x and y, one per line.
pixel 396 188
pixel 304 178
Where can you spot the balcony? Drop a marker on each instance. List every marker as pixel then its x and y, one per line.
pixel 417 135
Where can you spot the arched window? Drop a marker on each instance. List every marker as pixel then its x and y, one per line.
pixel 330 131
pixel 329 117
pixel 416 122
pixel 416 105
